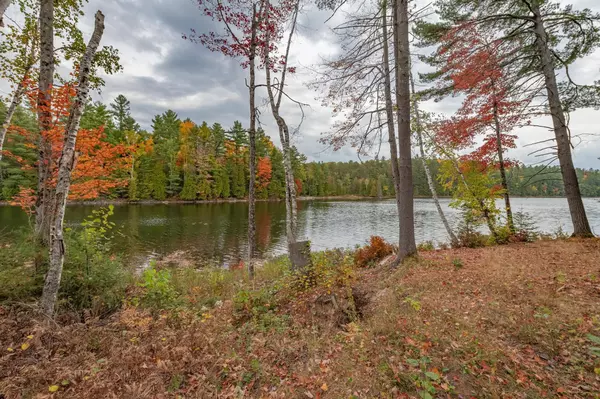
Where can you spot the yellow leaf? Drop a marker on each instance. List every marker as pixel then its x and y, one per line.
pixel 53 388
pixel 10 349
pixel 25 346
pixel 30 337
pixel 597 370
pixel 324 387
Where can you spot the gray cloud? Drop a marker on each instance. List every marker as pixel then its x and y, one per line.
pixel 164 71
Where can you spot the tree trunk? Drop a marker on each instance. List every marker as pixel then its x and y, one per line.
pixel 252 139
pixel 500 150
pixel 406 244
pixel 581 226
pixel 65 167
pixel 3 6
pixel 44 103
pixel 284 133
pixel 389 108
pixel 430 182
pixel 15 102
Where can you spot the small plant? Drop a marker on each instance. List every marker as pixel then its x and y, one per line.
pixel 376 250
pixel 426 246
pixel 415 304
pixel 542 312
pixel 468 233
pixel 458 263
pixel 159 292
pixel 560 233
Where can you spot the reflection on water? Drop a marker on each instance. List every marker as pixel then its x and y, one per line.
pixel 218 231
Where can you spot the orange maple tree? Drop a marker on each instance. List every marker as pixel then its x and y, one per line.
pixel 97 161
pixel 263 172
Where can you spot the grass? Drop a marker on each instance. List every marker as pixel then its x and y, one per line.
pixel 513 321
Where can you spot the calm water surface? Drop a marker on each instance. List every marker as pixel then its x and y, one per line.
pixel 218 231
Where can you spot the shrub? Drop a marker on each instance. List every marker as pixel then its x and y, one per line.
pixel 468 234
pixel 260 308
pixel 159 292
pixel 93 278
pixel 376 250
pixel 426 246
pixel 21 274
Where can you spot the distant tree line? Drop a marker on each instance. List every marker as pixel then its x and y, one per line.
pixel 179 159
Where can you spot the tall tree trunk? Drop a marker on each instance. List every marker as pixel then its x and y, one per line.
pixel 10 112
pixel 3 6
pixel 44 104
pixel 284 132
pixel 581 226
pixel 252 139
pixel 389 108
pixel 500 150
pixel 430 182
pixel 65 167
pixel 406 244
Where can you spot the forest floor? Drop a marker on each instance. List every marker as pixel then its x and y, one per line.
pixel 513 321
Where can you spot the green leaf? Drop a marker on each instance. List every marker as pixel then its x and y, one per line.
pixel 594 339
pixel 432 375
pixel 413 362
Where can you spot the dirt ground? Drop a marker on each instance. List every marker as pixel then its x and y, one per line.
pixel 515 321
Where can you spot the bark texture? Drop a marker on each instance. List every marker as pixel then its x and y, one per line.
pixel 44 102
pixel 252 140
pixel 389 109
pixel 581 226
pixel 430 182
pixel 3 6
pixel 284 135
pixel 500 150
pixel 406 243
pixel 65 168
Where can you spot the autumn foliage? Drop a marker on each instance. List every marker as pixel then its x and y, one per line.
pixel 97 162
pixel 377 249
pixel 489 110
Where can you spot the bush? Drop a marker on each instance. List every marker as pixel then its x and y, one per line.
pixel 426 246
pixel 159 292
pixel 93 279
pixel 376 250
pixel 260 308
pixel 21 274
pixel 468 234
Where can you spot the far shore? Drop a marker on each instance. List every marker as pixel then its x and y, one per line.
pixel 123 201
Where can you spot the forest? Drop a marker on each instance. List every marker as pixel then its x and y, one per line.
pixel 498 308
pixel 182 160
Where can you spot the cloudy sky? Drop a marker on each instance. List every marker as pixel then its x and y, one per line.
pixel 163 71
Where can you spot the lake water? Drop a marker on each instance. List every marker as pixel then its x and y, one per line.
pixel 218 231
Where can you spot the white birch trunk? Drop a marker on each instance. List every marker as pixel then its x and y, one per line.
pixel 430 181
pixel 284 134
pixel 43 202
pixel 65 168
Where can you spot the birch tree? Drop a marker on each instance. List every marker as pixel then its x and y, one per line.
pixel 275 19
pixel 65 168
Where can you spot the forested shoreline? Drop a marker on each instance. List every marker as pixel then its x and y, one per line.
pixel 181 161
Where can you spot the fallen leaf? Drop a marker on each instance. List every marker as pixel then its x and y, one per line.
pixel 53 388
pixel 25 346
pixel 324 387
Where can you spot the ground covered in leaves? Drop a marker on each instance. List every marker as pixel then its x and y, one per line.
pixel 515 321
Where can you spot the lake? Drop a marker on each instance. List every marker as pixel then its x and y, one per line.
pixel 218 230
